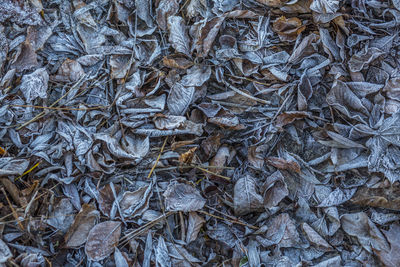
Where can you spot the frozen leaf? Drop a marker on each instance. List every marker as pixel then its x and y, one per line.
pixel 194 225
pixel 391 258
pixel 135 203
pixel 196 76
pixel 315 239
pixel 11 166
pixel 102 239
pixel 106 199
pixel 165 9
pixel 325 6
pixel 221 232
pixel 5 252
pixel 161 253
pixel 275 190
pixel 179 252
pixel 282 231
pixel 120 260
pixel 362 59
pixel 168 122
pixel 183 197
pixel 62 216
pixel 344 100
pixel 272 3
pixel 288 29
pixel 35 84
pixel 178 35
pixel 179 99
pixel 246 196
pixel 120 65
pixel 360 226
pixel 20 13
pixel 83 223
pixel 337 197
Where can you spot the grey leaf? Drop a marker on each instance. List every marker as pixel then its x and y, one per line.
pixel 178 35
pixel 183 197
pixel 179 99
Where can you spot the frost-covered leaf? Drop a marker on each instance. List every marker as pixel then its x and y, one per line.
pixel 11 166
pixel 337 197
pixel 246 196
pixel 179 99
pixel 178 35
pixel 5 252
pixel 135 203
pixel 325 6
pixel 62 216
pixel 183 197
pixel 35 84
pixel 275 190
pixel 361 227
pixel 391 258
pixel 102 239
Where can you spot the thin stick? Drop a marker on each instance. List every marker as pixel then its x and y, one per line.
pixel 229 220
pixel 158 158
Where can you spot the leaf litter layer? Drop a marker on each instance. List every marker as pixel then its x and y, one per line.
pixel 199 133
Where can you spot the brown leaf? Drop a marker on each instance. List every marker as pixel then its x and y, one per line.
pixel 387 198
pixel 288 29
pixel 83 223
pixel 25 58
pixel 177 62
pixel 219 160
pixel 283 164
pixel 187 157
pixel 272 3
pixel 183 197
pixel 206 35
pixel 102 239
pixel 106 199
pixel 289 117
pixel 70 71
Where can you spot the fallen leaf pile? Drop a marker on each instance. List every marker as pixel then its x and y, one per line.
pixel 199 133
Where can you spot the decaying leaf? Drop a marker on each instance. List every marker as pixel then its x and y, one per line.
pixel 102 239
pixel 5 252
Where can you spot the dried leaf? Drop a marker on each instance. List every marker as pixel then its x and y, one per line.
pixel 194 225
pixel 135 203
pixel 391 258
pixel 182 197
pixel 178 35
pixel 5 252
pixel 35 84
pixel 360 226
pixel 83 223
pixel 102 239
pixel 179 99
pixel 246 197
pixel 387 198
pixel 315 239
pixel 275 190
pixel 288 29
